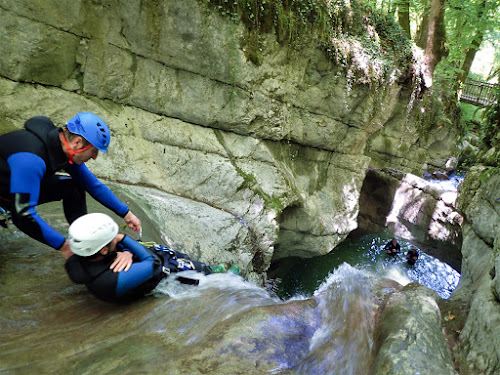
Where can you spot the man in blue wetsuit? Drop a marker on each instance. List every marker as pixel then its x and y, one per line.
pixel 95 242
pixel 29 162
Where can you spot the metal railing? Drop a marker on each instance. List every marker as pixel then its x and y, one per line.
pixel 480 93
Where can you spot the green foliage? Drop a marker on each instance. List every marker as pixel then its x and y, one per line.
pixel 468 23
pixel 481 127
pixel 490 132
pixel 289 18
pixel 352 34
pixel 477 76
pixel 466 20
pixel 390 32
pixel 470 113
pixel 470 119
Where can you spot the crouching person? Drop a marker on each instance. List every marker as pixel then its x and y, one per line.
pixel 95 242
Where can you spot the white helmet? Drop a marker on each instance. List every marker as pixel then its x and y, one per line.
pixel 90 233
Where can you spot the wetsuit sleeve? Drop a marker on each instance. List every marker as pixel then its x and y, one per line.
pixel 141 271
pixel 97 189
pixel 27 171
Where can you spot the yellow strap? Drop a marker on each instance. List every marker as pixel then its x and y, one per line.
pixel 147 243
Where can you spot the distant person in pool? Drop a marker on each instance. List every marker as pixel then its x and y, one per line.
pixel 412 256
pixel 392 247
pixel 95 242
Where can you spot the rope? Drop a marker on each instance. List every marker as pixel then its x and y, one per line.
pixel 147 243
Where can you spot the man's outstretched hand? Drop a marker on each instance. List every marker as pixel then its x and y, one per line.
pixel 65 250
pixel 133 222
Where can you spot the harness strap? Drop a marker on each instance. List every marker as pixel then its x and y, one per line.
pixel 172 263
pixel 188 281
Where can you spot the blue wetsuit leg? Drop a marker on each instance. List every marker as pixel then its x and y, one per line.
pixel 27 172
pixel 63 187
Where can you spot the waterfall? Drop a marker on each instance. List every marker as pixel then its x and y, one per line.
pixel 340 341
pixel 343 343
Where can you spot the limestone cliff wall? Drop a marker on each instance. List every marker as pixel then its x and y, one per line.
pixel 283 145
pixel 479 287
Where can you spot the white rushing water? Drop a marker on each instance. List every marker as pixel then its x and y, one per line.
pixel 340 342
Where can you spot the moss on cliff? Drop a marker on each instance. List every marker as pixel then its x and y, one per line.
pixel 272 203
pixel 370 45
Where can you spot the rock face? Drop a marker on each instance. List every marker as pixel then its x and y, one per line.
pixel 410 337
pixel 479 287
pixel 207 234
pixel 282 145
pixel 414 209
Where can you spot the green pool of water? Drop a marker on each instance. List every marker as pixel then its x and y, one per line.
pixel 296 276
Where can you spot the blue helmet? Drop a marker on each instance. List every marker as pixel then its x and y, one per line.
pixel 92 128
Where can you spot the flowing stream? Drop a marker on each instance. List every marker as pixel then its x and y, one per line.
pixel 320 321
pixel 50 326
